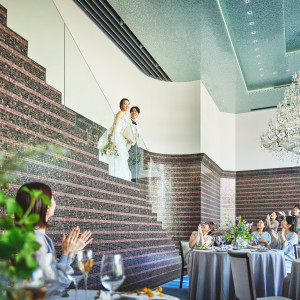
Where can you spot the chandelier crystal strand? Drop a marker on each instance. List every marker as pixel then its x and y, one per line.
pixel 283 133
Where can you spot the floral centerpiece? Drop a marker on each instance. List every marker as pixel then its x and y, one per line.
pixel 240 230
pixel 109 149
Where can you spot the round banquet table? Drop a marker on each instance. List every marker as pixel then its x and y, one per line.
pixel 294 289
pixel 210 274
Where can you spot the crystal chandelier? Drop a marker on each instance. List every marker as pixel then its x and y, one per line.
pixel 283 134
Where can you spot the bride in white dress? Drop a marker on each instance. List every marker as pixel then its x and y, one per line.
pixel 118 165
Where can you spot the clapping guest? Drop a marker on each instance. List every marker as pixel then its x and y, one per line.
pixel 202 235
pixel 263 237
pixel 294 212
pixel 272 223
pixel 70 245
pixel 286 239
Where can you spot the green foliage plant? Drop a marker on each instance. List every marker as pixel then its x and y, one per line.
pixel 17 238
pixel 239 229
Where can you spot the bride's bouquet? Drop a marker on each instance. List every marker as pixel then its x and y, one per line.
pixel 109 149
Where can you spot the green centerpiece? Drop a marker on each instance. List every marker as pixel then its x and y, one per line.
pixel 238 232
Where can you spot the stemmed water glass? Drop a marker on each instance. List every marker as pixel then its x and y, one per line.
pixel 112 272
pixel 85 263
pixel 73 273
pixel 218 239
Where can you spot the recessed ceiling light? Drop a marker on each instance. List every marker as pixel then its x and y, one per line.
pixel 251 23
pixel 261 69
pixel 262 75
pixel 258 56
pixel 274 73
pixel 254 41
pixel 259 63
pixel 253 32
pixel 247 1
pixel 256 49
pixel 249 12
pixel 288 70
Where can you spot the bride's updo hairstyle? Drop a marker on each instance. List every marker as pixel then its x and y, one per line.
pixel 122 101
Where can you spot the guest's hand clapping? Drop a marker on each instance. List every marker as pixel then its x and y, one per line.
pixel 268 218
pixel 200 230
pixel 73 243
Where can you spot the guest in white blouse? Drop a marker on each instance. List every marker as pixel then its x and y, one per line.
pixel 263 237
pixel 286 239
pixel 202 236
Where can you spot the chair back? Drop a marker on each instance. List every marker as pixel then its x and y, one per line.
pixel 297 250
pixel 184 249
pixel 242 273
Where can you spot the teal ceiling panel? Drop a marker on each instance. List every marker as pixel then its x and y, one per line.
pixel 170 27
pixel 292 25
pixel 242 50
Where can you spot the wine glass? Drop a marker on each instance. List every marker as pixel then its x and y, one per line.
pixel 112 272
pixel 73 273
pixel 85 263
pixel 218 240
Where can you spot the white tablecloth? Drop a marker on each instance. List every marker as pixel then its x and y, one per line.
pixel 210 274
pixel 294 290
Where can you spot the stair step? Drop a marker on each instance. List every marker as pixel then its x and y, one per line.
pixel 28 80
pixel 23 121
pixel 16 133
pixel 12 87
pixel 86 186
pixel 13 40
pixel 22 61
pixel 21 106
pixel 3 15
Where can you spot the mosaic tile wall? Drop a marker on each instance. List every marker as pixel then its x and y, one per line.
pixel 190 189
pixel 260 192
pixel 120 217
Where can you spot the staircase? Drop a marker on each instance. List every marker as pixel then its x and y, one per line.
pixel 118 214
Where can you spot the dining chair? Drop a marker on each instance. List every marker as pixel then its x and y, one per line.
pixel 184 249
pixel 243 278
pixel 297 250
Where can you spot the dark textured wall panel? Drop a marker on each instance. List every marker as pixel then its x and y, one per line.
pixel 260 192
pixel 116 211
pixel 189 189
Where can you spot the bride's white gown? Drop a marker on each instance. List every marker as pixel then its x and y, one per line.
pixel 118 166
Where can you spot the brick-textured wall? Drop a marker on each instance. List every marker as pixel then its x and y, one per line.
pixel 260 192
pixel 189 189
pixel 118 214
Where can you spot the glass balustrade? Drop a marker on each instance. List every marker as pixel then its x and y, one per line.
pixel 51 44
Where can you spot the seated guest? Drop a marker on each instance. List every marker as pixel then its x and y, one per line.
pixel 272 223
pixel 263 237
pixel 294 212
pixel 202 236
pixel 286 239
pixel 70 245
